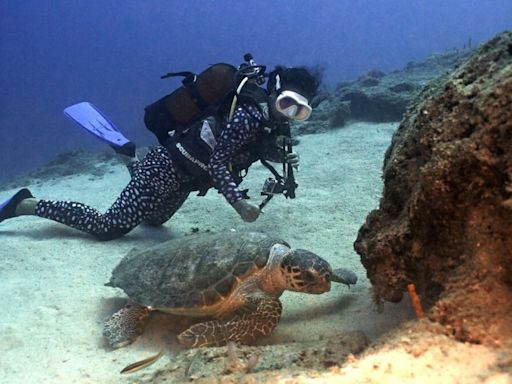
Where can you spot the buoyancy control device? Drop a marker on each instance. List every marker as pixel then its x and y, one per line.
pixel 200 96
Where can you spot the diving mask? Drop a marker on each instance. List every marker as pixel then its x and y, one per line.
pixel 293 105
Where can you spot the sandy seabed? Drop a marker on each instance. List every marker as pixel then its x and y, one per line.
pixel 54 300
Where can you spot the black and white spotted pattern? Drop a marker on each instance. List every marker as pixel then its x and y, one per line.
pixel 242 129
pixel 152 196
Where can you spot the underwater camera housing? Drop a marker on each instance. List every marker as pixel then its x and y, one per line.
pixel 278 184
pixel 273 186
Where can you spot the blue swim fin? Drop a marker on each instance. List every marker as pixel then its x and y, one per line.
pixel 89 117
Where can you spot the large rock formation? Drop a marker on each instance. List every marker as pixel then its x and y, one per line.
pixel 445 218
pixel 379 97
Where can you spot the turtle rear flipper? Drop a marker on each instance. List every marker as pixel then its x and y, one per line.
pixel 126 325
pixel 246 326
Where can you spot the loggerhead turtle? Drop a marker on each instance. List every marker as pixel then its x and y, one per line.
pixel 232 280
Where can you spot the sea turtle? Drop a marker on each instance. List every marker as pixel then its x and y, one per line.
pixel 232 280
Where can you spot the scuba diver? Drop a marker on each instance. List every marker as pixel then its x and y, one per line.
pixel 208 154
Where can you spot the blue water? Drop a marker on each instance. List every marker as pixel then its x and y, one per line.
pixel 54 53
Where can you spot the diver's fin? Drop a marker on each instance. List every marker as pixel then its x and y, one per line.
pixel 93 121
pixel 8 207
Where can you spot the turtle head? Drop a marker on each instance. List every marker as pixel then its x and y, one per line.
pixel 306 272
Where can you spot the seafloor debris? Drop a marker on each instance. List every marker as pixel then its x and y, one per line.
pixel 235 364
pixel 237 361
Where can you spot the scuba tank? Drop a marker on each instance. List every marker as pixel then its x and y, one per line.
pixel 200 96
pixel 196 99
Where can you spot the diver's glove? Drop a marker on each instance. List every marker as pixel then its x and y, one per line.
pixel 247 211
pixel 292 158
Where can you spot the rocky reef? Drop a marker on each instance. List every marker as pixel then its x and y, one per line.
pixel 444 222
pixel 379 97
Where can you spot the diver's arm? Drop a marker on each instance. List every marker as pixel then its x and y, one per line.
pixel 240 130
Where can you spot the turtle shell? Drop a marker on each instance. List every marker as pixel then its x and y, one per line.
pixel 192 272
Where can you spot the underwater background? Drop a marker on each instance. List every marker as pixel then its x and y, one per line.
pixel 112 53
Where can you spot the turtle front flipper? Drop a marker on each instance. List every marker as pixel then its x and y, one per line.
pixel 126 325
pixel 245 326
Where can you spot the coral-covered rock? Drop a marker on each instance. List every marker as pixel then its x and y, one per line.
pixel 445 218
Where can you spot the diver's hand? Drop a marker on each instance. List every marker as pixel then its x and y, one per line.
pixel 292 158
pixel 247 211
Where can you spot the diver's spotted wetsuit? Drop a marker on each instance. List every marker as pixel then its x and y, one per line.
pixel 158 187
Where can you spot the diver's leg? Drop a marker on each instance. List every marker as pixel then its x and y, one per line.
pixel 137 200
pixel 169 197
pixel 124 215
pixel 132 163
pixel 78 216
pixel 27 205
pixel 166 208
